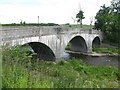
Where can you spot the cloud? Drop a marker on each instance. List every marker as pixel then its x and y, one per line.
pixel 56 11
pixel 23 2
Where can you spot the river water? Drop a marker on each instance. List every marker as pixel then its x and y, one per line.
pixel 95 60
pixel 89 60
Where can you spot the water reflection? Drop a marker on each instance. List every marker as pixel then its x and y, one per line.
pixel 66 56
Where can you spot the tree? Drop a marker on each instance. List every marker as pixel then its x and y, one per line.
pixel 80 16
pixel 108 21
pixel 21 22
pixel 101 17
pixel 24 22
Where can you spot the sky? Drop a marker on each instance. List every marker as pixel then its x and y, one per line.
pixel 49 11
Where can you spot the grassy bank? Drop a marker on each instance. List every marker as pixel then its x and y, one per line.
pixel 101 50
pixel 106 50
pixel 19 70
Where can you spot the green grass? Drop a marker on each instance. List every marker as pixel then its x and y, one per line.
pixel 68 47
pixel 106 50
pixel 31 24
pixel 77 25
pixel 20 71
pixel 101 50
pixel 48 24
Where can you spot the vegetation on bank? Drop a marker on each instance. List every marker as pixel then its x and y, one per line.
pixel 112 43
pixel 101 50
pixel 19 70
pixel 106 50
pixel 67 47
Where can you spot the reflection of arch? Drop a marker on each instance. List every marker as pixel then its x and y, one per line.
pixel 96 42
pixel 78 44
pixel 43 51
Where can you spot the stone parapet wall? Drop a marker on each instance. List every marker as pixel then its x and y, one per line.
pixel 14 32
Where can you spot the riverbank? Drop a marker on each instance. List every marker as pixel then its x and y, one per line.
pixel 106 45
pixel 103 50
pixel 19 70
pixel 94 54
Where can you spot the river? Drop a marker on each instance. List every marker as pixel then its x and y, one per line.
pixel 89 60
pixel 95 60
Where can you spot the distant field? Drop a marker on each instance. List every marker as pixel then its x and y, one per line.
pixel 84 26
pixel 48 24
pixel 31 24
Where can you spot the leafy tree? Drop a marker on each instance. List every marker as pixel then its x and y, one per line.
pixel 101 17
pixel 24 22
pixel 80 16
pixel 108 21
pixel 21 22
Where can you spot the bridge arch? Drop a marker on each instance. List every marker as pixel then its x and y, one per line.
pixel 96 42
pixel 43 51
pixel 78 44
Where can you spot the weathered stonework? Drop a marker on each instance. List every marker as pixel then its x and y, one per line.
pixel 55 37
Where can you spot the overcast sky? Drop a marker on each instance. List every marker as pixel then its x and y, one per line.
pixel 49 11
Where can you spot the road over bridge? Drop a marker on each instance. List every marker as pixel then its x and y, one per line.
pixel 51 41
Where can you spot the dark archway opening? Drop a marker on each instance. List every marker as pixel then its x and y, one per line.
pixel 78 44
pixel 96 42
pixel 43 51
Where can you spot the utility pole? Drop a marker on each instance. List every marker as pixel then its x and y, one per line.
pixel 38 20
pixel 91 20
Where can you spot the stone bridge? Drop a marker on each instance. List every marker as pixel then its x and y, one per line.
pixel 51 41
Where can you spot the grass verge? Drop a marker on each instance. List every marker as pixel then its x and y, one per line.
pixel 19 70
pixel 106 50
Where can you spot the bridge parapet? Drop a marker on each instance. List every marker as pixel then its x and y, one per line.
pixel 14 32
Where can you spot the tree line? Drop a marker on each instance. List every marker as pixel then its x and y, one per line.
pixel 31 24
